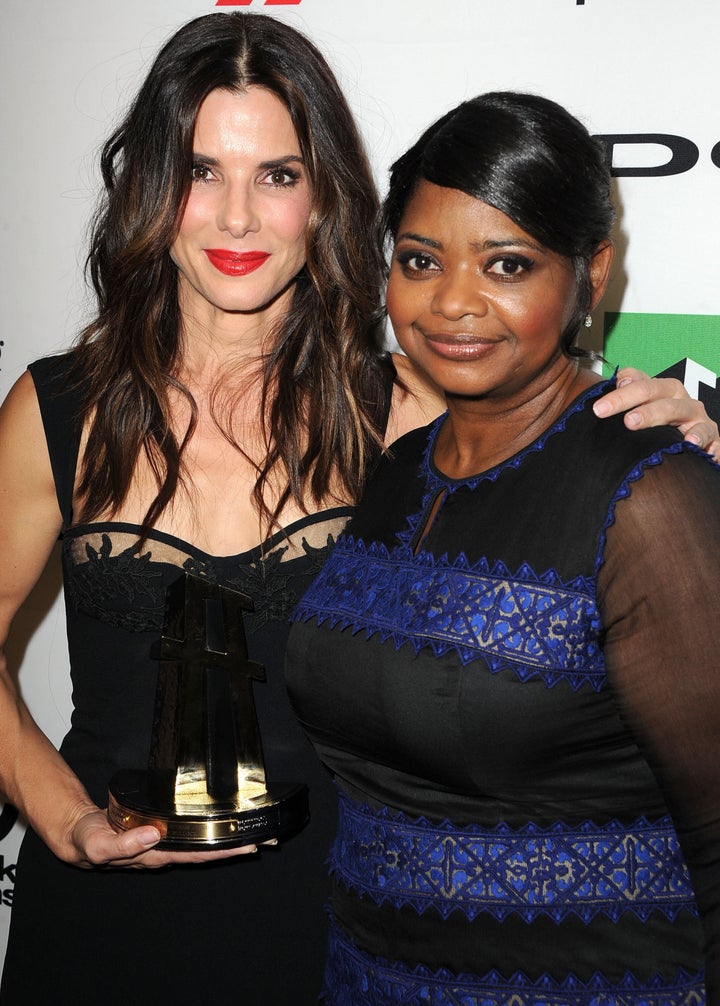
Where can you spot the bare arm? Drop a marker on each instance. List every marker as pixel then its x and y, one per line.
pixel 33 775
pixel 415 401
pixel 660 401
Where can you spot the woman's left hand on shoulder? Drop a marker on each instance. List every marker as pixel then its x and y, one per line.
pixel 659 401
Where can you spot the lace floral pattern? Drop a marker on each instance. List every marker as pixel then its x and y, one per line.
pixel 270 586
pixel 584 870
pixel 354 978
pixel 111 579
pixel 537 626
pixel 124 590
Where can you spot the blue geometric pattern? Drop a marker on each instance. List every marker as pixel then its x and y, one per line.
pixel 358 979
pixel 584 870
pixel 537 626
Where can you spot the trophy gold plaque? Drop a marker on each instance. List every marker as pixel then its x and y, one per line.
pixel 205 786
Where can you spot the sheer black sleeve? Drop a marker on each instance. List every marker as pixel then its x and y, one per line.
pixel 659 593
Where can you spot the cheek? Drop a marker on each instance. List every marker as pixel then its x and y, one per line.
pixel 291 221
pixel 191 235
pixel 538 318
pixel 536 326
pixel 401 302
pixel 560 306
pixel 391 303
pixel 194 215
pixel 176 250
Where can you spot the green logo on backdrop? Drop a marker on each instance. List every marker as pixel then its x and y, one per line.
pixel 654 342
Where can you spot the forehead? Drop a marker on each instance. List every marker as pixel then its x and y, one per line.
pixel 247 120
pixel 452 211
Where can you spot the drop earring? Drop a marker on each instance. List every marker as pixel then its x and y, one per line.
pixel 588 321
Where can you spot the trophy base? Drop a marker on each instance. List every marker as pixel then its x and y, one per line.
pixel 279 813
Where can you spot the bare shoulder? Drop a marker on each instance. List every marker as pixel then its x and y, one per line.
pixel 22 438
pixel 29 510
pixel 415 401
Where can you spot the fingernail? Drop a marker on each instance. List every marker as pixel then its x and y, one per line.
pixel 149 837
pixel 693 438
pixel 633 419
pixel 623 381
pixel 601 408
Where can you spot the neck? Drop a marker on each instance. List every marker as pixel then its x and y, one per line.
pixel 479 433
pixel 215 340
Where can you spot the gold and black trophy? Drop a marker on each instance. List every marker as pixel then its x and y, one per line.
pixel 205 786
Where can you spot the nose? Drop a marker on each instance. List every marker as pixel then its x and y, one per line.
pixel 237 211
pixel 457 293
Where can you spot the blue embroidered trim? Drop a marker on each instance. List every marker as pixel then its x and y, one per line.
pixel 436 482
pixel 586 870
pixel 536 626
pixel 356 978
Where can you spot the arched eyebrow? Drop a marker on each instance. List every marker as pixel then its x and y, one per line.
pixel 419 239
pixel 280 162
pixel 475 246
pixel 275 162
pixel 481 246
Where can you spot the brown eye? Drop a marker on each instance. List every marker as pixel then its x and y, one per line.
pixel 510 266
pixel 283 177
pixel 200 173
pixel 417 262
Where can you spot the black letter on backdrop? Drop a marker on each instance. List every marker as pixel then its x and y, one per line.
pixel 683 153
pixel 8 817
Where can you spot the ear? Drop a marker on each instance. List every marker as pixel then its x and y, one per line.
pixel 599 271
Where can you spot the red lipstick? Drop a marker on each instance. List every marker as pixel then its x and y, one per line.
pixel 236 263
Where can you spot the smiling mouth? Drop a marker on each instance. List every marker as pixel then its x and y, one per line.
pixel 236 263
pixel 461 347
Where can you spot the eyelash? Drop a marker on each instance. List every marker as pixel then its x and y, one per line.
pixel 524 263
pixel 406 258
pixel 293 176
pixel 199 166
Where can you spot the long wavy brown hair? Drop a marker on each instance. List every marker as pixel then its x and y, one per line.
pixel 325 382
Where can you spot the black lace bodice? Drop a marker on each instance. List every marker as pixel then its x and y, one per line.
pixel 250 930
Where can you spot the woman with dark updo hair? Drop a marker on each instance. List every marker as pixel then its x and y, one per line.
pixel 509 659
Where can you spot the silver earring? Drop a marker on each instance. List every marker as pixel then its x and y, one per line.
pixel 588 321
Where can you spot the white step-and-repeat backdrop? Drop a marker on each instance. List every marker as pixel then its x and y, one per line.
pixel 642 73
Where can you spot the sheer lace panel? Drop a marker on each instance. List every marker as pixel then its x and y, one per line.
pixel 296 541
pixel 114 580
pixel 659 592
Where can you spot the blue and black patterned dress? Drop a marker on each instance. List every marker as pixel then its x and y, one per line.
pixel 520 701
